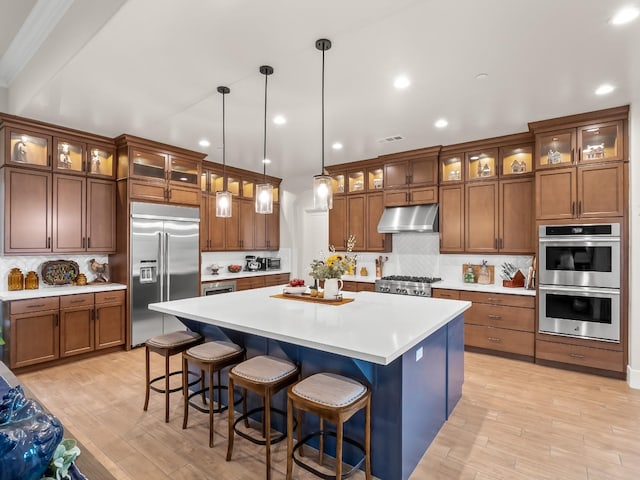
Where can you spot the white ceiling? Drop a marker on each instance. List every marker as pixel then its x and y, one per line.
pixel 151 67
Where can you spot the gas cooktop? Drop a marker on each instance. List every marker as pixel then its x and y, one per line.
pixel 406 285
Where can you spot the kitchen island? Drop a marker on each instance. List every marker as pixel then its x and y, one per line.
pixel 408 349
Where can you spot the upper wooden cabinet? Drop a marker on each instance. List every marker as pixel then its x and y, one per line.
pixel 159 173
pixel 358 215
pixel 25 148
pixel 451 217
pixel 412 168
pixel 593 137
pixel 481 164
pixel 516 160
pixel 451 167
pixel 75 156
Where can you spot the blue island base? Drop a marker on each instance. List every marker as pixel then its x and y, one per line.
pixel 411 397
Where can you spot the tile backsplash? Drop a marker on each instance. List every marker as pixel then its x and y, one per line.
pixel 227 258
pixel 34 263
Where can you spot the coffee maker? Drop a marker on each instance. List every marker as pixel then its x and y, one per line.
pixel 250 263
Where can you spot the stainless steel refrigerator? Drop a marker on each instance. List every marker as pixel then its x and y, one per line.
pixel 165 258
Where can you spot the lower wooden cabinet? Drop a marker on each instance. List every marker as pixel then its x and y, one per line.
pixel 248 283
pixel 499 339
pixel 352 286
pixel 580 355
pixel 45 329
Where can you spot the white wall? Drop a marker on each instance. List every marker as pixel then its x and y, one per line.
pixel 4 99
pixel 633 369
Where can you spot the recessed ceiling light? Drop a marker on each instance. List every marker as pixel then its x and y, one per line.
pixel 482 76
pixel 401 82
pixel 625 15
pixel 266 161
pixel 279 120
pixel 604 89
pixel 441 123
pixel 204 143
pixel 337 146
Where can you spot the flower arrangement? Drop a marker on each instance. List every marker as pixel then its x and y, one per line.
pixel 336 264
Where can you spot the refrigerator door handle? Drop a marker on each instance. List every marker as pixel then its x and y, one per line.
pixel 160 257
pixel 167 263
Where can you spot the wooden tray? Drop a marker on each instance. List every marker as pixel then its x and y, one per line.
pixel 305 297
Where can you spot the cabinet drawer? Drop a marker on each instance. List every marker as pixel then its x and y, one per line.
pixel 147 191
pixel 273 280
pixel 503 340
pixel 69 301
pixel 450 294
pixel 579 355
pixel 189 196
pixel 34 305
pixel 366 287
pixel 350 286
pixel 249 283
pixel 110 297
pixel 524 301
pixel 514 318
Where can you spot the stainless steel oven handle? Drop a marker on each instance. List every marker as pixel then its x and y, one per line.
pixel 579 240
pixel 579 290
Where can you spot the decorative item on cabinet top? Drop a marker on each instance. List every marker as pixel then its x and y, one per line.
pixel 60 272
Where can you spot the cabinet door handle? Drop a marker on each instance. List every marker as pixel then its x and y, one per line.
pixel 572 155
pixel 97 314
pixel 83 240
pixel 494 317
pixel 576 355
pixel 495 243
pixel 502 243
pixel 573 208
pixel 49 160
pixel 48 242
pixel 579 154
pixel 88 242
pixel 494 339
pixel 579 207
pixel 55 316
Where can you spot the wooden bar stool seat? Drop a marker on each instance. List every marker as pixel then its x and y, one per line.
pixel 167 345
pixel 209 357
pixel 333 398
pixel 264 375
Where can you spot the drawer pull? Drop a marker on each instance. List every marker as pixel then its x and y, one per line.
pixel 494 339
pixel 38 305
pixel 113 297
pixel 494 317
pixel 576 355
pixel 491 299
pixel 77 301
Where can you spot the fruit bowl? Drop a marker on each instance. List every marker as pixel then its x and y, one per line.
pixel 295 290
pixel 234 268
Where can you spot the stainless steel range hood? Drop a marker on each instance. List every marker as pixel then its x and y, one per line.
pixel 416 218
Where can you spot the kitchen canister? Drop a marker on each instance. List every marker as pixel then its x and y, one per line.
pixel 16 279
pixel 31 281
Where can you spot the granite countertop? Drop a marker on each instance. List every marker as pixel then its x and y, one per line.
pixel 226 275
pixel 57 290
pixel 375 327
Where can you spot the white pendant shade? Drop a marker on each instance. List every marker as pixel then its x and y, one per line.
pixel 322 192
pixel 264 198
pixel 223 204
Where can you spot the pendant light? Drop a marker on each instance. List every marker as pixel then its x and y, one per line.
pixel 264 190
pixel 322 190
pixel 223 199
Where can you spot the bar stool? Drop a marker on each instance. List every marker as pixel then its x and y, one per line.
pixel 167 345
pixel 264 375
pixel 336 399
pixel 209 357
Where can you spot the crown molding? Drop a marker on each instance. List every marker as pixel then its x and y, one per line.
pixel 40 22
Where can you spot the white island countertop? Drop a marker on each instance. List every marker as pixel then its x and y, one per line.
pixel 375 327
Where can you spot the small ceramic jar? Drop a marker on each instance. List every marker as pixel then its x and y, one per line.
pixel 16 279
pixel 31 281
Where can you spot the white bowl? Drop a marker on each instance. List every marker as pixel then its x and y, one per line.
pixel 297 290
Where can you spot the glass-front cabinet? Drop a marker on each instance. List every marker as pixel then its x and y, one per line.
pixel 516 160
pixel 183 171
pixel 356 182
pixel 27 148
pixel 451 168
pixel 69 155
pixel 375 178
pixel 100 161
pixel 337 183
pixel 481 164
pixel 600 143
pixel 556 149
pixel 148 165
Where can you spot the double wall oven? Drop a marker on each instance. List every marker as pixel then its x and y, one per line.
pixel 579 281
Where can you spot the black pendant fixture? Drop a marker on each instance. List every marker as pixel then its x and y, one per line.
pixel 322 189
pixel 264 190
pixel 223 198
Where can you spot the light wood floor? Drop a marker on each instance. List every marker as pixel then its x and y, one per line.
pixel 515 421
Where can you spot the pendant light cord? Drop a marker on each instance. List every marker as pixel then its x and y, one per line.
pixel 264 143
pixel 322 171
pixel 224 164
